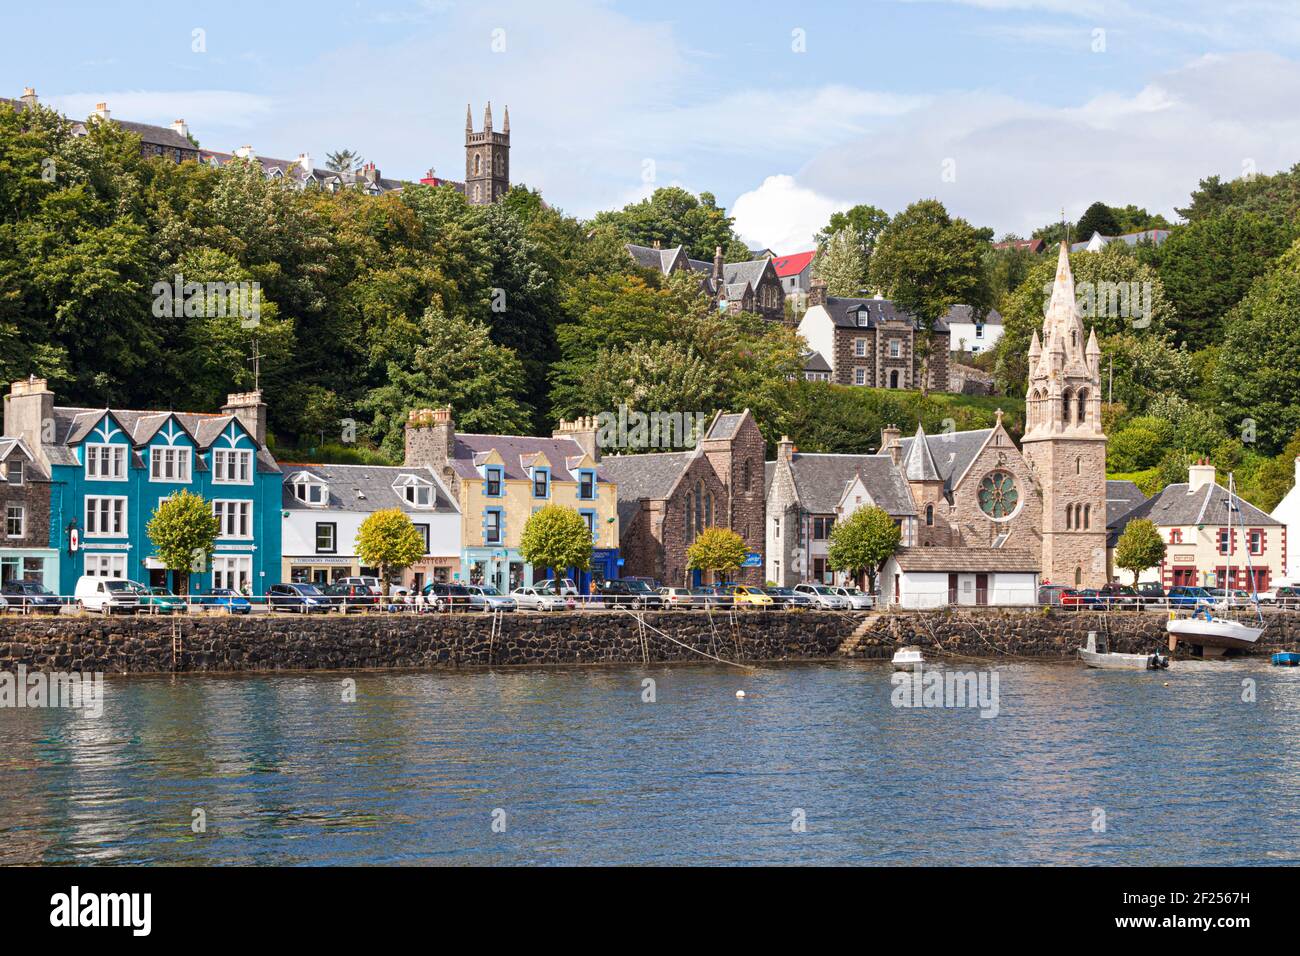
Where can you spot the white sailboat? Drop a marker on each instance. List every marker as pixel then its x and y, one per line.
pixel 1213 629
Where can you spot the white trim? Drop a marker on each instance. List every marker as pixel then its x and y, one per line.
pixel 125 516
pixel 88 454
pixel 217 471
pixel 184 454
pixel 241 513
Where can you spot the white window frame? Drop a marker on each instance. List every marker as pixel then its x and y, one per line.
pixel 243 458
pixel 860 347
pixel 22 521
pixel 22 471
pixel 183 464
pixel 238 511
pixel 859 376
pixel 233 571
pixel 92 506
pixel 111 566
pixel 90 452
pixel 412 488
pixel 895 348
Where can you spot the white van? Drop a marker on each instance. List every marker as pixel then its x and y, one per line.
pixel 105 595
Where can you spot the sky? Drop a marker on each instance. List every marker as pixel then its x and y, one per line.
pixel 1014 113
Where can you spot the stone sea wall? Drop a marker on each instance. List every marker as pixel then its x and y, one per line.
pixel 142 645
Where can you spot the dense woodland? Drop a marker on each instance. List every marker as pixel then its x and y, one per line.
pixel 517 315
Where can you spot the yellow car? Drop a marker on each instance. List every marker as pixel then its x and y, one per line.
pixel 743 594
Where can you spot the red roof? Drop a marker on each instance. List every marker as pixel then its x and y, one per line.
pixel 788 266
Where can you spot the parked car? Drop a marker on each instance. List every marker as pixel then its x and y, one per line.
pixel 1052 595
pixel 533 598
pixel 441 596
pixel 710 596
pixel 1183 596
pixel 1116 595
pixel 224 599
pixel 1152 594
pixel 365 581
pixel 486 598
pixel 747 596
pixel 824 596
pixel 682 599
pixel 561 586
pixel 1286 596
pixel 859 600
pixel 28 597
pixel 106 595
pixel 623 592
pixel 1078 598
pixel 302 598
pixel 157 600
pixel 788 598
pixel 347 597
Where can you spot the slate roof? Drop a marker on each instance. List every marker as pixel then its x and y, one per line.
pixel 844 310
pixel 644 476
pixel 816 362
pixel 725 425
pixel 562 453
pixel 32 468
pixel 1174 506
pixel 967 560
pixel 363 488
pixel 744 273
pixel 952 452
pixel 1121 498
pixel 648 257
pixel 788 266
pixel 962 313
pixel 157 135
pixel 820 481
pixel 73 425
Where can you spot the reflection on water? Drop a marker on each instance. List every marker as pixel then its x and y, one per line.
pixel 286 772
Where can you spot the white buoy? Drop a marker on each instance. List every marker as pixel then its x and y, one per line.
pixel 740 693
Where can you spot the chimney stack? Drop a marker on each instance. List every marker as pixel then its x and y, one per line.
pixel 817 293
pixel 29 97
pixel 29 414
pixel 101 111
pixel 584 431
pixel 431 443
pixel 180 127
pixel 1199 475
pixel 785 449
pixel 304 160
pixel 717 264
pixel 249 408
pixel 891 442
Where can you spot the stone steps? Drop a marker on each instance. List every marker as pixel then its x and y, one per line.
pixel 850 644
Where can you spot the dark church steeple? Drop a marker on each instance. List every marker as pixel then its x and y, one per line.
pixel 487 159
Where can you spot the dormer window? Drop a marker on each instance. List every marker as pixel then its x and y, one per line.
pixel 541 483
pixel 14 471
pixel 106 462
pixel 415 491
pixel 310 490
pixel 864 317
pixel 493 482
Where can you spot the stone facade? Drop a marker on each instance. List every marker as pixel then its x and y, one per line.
pixel 869 343
pixel 1064 442
pixel 665 500
pixel 25 508
pixel 487 160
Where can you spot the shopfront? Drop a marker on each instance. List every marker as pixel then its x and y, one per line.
pixel 30 564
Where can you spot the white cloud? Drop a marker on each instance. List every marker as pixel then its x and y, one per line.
pixel 782 215
pixel 1017 162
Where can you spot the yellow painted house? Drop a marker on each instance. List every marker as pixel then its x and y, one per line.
pixel 500 480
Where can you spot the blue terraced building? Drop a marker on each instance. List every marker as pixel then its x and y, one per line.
pixel 109 468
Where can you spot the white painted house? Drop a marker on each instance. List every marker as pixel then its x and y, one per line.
pixel 324 506
pixel 1288 512
pixel 916 578
pixel 966 334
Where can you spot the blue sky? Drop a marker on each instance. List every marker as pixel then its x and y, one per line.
pixel 1007 110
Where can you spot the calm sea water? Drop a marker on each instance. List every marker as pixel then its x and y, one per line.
pixel 586 773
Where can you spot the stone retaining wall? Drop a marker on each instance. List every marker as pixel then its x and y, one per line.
pixel 141 645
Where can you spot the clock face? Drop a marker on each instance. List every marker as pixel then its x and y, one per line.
pixel 998 495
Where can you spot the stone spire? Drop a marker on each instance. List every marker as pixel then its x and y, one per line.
pixel 506 127
pixel 919 464
pixel 469 118
pixel 487 125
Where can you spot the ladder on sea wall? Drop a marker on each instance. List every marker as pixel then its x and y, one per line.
pixel 177 644
pixel 849 646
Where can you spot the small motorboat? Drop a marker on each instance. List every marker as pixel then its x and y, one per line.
pixel 1286 659
pixel 906 658
pixel 1095 654
pixel 1213 634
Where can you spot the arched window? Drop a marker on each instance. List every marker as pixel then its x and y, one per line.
pixel 1078 517
pixel 1069 517
pixel 1065 407
pixel 1078 466
pixel 478 164
pixel 929 516
pixel 1083 405
pixel 1087 516
pixel 893 379
pixel 1078 576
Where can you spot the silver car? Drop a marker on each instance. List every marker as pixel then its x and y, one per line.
pixel 824 596
pixel 489 598
pixel 858 599
pixel 535 599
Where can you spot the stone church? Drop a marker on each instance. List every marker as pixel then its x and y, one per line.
pixel 973 494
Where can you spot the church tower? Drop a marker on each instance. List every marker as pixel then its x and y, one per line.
pixel 487 160
pixel 1064 443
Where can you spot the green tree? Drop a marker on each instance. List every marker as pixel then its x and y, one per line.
pixel 450 362
pixel 1140 547
pixel 1258 376
pixel 863 542
pixel 841 264
pixel 343 161
pixel 555 539
pixel 1097 218
pixel 671 216
pixel 927 262
pixel 389 542
pixel 719 551
pixel 1275 196
pixel 865 222
pixel 183 531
